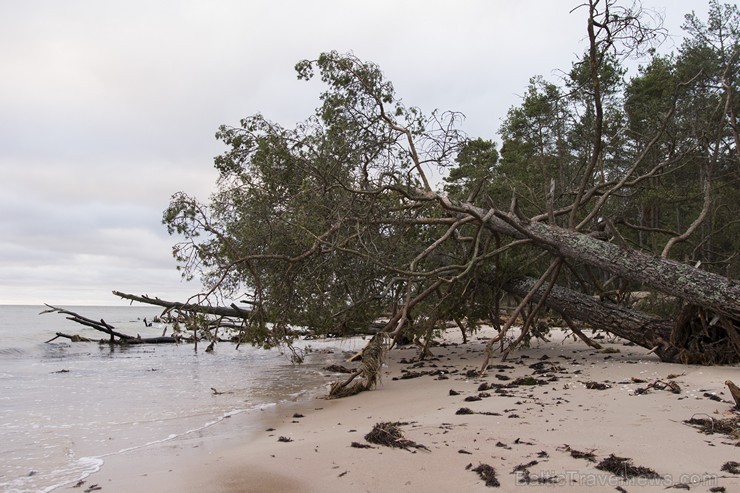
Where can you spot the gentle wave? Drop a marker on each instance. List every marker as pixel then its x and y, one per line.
pixel 67 407
pixel 80 469
pixel 13 352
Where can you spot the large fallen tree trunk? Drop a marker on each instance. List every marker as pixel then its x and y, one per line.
pixel 697 287
pixel 679 341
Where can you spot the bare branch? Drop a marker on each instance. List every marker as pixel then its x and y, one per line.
pixel 697 222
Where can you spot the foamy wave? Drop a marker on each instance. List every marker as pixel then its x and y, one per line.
pixel 208 424
pixel 76 471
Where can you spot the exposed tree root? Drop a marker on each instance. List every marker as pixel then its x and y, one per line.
pixel 372 361
pixel 697 336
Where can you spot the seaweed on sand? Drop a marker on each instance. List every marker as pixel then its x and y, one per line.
pixel 389 434
pixel 467 410
pixel 577 454
pixel 488 474
pixel 527 381
pixel 360 445
pixel 623 467
pixel 709 425
pixel 524 476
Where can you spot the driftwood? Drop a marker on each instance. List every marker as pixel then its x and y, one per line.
pixel 231 317
pixel 102 326
pixel 71 337
pixel 234 314
pixel 734 391
pixel 222 311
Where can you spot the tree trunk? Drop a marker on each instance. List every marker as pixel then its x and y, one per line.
pixel 690 339
pixel 697 287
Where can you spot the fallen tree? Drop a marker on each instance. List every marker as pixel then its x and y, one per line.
pixel 696 286
pixel 336 223
pixel 324 243
pixel 691 338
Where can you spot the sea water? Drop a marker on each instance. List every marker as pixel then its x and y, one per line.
pixel 65 406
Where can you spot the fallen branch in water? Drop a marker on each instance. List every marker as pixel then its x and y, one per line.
pixel 101 326
pixel 73 338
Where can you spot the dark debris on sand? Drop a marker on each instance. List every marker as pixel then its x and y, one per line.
pixel 710 425
pixel 527 381
pixel 467 410
pixel 623 467
pixel 524 476
pixel 360 445
pixel 577 454
pixel 389 434
pixel 337 369
pixel 659 385
pixel 488 474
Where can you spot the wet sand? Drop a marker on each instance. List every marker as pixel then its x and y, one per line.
pixel 534 436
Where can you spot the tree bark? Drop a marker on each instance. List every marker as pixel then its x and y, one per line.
pixel 646 331
pixel 698 287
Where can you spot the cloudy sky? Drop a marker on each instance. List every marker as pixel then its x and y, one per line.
pixel 108 108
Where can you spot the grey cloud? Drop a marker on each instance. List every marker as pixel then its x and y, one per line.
pixel 107 108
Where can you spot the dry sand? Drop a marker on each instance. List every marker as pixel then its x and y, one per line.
pixel 537 426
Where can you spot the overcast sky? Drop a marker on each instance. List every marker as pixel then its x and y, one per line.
pixel 108 108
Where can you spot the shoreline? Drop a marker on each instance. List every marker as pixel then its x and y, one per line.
pixel 530 434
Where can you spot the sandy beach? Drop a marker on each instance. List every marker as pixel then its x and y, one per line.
pixel 544 419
